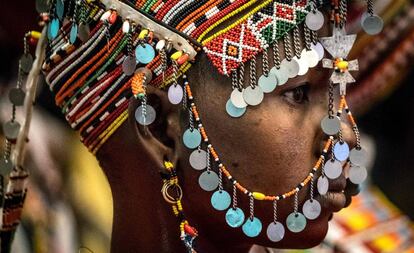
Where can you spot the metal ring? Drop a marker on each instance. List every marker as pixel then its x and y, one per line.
pixel 167 196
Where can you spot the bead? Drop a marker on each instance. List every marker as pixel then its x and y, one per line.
pixel 183 59
pixel 234 217
pixel 220 200
pixel 342 65
pixel 252 227
pixel 106 15
pixel 143 34
pixel 258 195
pixel 176 55
pixel 160 45
pixel 125 26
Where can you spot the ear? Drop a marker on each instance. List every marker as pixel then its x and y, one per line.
pixel 161 138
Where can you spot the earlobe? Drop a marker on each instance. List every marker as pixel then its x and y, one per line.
pixel 160 139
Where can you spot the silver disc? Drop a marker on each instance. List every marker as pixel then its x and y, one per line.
pixel 175 94
pixel 372 24
pixel 331 126
pixel 292 67
pixel 128 65
pixel 280 74
pixel 333 169
pixel 198 159
pixel 234 111
pixel 357 174
pixel 358 156
pixel 311 209
pixel 11 129
pixel 208 180
pixel 253 96
pixel 5 166
pixel 26 62
pixel 303 65
pixel 341 151
pixel 268 83
pixel 315 20
pixel 296 222
pixel 312 57
pixel 146 118
pixel 42 6
pixel 237 99
pixel 322 185
pixel 16 96
pixel 275 231
pixel 83 32
pixel 319 49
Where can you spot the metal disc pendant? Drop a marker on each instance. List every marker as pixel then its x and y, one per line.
pixel 281 75
pixel 83 32
pixel 42 6
pixel 5 166
pixel 333 169
pixel 175 94
pixel 146 118
pixel 315 20
pixel 16 96
pixel 357 174
pixel 73 35
pixel 60 9
pixel 322 185
pixel 237 99
pixel 220 200
pixel 253 96
pixel 296 222
pixel 319 49
pixel 358 156
pixel 303 65
pixel 341 151
pixel 275 231
pixel 145 53
pixel 198 159
pixel 292 67
pixel 312 57
pixel 331 126
pixel 192 138
pixel 268 83
pixel 208 181
pixel 11 129
pixel 234 111
pixel 234 217
pixel 53 28
pixel 311 209
pixel 128 65
pixel 372 24
pixel 26 62
pixel 252 227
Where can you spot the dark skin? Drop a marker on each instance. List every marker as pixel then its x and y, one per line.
pixel 270 149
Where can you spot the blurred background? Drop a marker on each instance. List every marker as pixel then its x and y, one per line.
pixel 69 204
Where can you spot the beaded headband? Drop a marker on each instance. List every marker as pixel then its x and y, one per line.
pixel 102 53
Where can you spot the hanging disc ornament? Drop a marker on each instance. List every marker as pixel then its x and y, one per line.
pixel 234 217
pixel 175 94
pixel 357 174
pixel 26 62
pixel 220 200
pixel 234 111
pixel 192 138
pixel 6 166
pixel 319 49
pixel 60 8
pixel 237 99
pixel 311 209
pixel 358 156
pixel 128 65
pixel 253 96
pixel 303 65
pixel 252 227
pixel 16 96
pixel 331 126
pixel 146 118
pixel 73 35
pixel 144 53
pixel 281 75
pixel 83 32
pixel 322 185
pixel 53 28
pixel 341 151
pixel 268 83
pixel 311 57
pixel 275 231
pixel 315 20
pixel 42 6
pixel 11 130
pixel 296 222
pixel 333 169
pixel 208 180
pixel 198 159
pixel 292 67
pixel 372 24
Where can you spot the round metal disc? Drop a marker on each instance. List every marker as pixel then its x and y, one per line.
pixel 331 126
pixel 208 181
pixel 341 151
pixel 60 8
pixel 128 65
pixel 323 185
pixel 26 62
pixel 268 83
pixel 42 6
pixel 252 227
pixel 234 217
pixel 357 174
pixel 234 111
pixel 296 222
pixel 253 96
pixel 275 231
pixel 372 24
pixel 333 169
pixel 16 96
pixel 73 35
pixel 303 65
pixel 281 75
pixel 319 49
pixel 220 200
pixel 144 53
pixel 237 99
pixel 198 159
pixel 54 28
pixel 292 67
pixel 311 209
pixel 5 166
pixel 11 129
pixel 149 116
pixel 312 57
pixel 358 157
pixel 192 139
pixel 315 20
pixel 175 94
pixel 83 32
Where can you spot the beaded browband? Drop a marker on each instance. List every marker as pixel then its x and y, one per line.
pixel 100 53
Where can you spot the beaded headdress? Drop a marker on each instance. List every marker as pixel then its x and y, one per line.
pixel 101 53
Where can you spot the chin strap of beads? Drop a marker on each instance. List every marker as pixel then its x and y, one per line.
pixel 170 180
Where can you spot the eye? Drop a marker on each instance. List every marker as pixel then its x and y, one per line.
pixel 298 95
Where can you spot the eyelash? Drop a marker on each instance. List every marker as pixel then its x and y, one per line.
pixel 297 95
